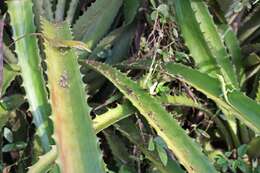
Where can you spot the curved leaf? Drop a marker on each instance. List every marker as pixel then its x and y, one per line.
pixel 96 21
pixel 129 130
pixel 27 50
pixel 215 42
pixel 185 149
pixel 250 116
pixel 60 10
pixel 45 162
pixel 251 25
pixel 1 51
pixel 112 116
pixel 233 46
pixel 194 38
pixel 73 131
pixel 71 11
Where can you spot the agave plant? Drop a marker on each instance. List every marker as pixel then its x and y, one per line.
pixel 78 94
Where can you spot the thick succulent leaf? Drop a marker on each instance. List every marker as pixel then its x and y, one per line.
pixel 100 123
pixel 45 162
pixel 129 130
pixel 73 130
pixel 103 49
pixel 96 21
pixel 123 111
pixel 119 149
pixel 11 69
pixel 225 5
pixel 182 100
pixel 114 48
pixel 246 106
pixel 257 99
pixel 9 56
pixel 1 51
pixel 8 76
pixel 215 42
pixel 71 11
pixel 185 149
pixel 233 46
pixel 47 6
pixel 194 38
pixel 250 116
pixel 60 10
pixel 251 25
pixel 27 50
pixel 122 44
pixel 43 8
pixel 130 10
pixel 112 116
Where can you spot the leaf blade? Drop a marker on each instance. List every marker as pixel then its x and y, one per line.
pixel 71 114
pixel 158 118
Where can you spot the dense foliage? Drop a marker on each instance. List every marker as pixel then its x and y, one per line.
pixel 130 86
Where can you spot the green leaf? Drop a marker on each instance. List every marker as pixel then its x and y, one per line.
pixel 60 10
pixel 233 45
pixel 194 38
pixel 242 150
pixel 73 127
pixel 130 131
pixel 153 3
pixel 258 94
pixel 27 50
pixel 151 145
pixel 250 25
pixel 253 148
pixel 12 102
pixel 8 76
pixel 248 109
pixel 130 10
pixel 215 42
pixel 166 127
pixel 8 135
pixel 242 166
pixel 123 169
pixel 225 5
pixel 243 107
pixel 113 49
pixel 71 11
pixel 118 148
pixel 45 162
pixel 2 19
pixel 183 100
pixel 112 116
pixel 96 21
pixel 162 154
pixel 14 146
pixel 164 10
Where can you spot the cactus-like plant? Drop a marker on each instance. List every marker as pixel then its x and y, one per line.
pixel 191 106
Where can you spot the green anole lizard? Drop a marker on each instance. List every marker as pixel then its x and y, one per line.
pixel 58 43
pixel 226 88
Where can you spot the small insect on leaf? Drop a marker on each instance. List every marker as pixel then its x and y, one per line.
pixel 64 80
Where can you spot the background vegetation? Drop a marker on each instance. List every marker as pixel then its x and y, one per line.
pixel 130 86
